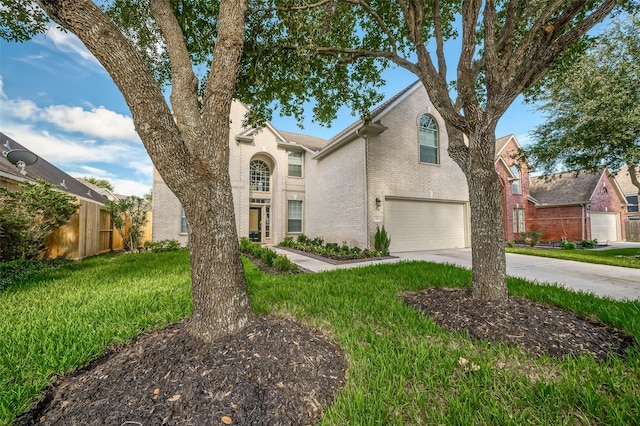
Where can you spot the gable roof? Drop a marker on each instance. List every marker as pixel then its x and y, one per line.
pixel 311 142
pixel 565 188
pixel 42 169
pixel 623 179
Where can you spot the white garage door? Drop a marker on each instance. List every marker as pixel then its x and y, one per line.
pixel 424 225
pixel 605 226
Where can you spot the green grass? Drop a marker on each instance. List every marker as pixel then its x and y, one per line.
pixel 626 257
pixel 403 368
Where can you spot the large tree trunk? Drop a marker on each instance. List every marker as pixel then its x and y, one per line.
pixel 476 159
pixel 485 199
pixel 220 299
pixel 188 145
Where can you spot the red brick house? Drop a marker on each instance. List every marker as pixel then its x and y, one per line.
pixel 577 206
pixel 514 174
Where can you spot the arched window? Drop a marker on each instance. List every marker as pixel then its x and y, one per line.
pixel 259 176
pixel 516 183
pixel 428 136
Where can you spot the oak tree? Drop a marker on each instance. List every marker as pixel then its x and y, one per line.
pixel 505 47
pixel 593 108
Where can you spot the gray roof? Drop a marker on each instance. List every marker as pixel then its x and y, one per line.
pixel 311 142
pixel 42 169
pixel 564 188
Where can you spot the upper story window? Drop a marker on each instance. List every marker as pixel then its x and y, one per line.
pixel 295 163
pixel 428 136
pixel 632 206
pixel 260 176
pixel 516 183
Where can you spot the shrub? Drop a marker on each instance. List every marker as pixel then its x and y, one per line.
pixel 283 264
pixel 568 245
pixel 589 243
pixel 317 241
pixel 287 242
pixel 530 237
pixel 162 246
pixel 382 241
pixel 129 215
pixel 268 256
pixel 29 215
pixel 302 239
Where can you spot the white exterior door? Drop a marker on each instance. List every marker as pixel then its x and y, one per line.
pixel 605 226
pixel 425 225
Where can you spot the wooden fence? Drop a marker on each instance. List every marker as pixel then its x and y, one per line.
pixel 632 228
pixel 88 232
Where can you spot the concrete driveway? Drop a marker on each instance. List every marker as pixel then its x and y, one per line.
pixel 601 280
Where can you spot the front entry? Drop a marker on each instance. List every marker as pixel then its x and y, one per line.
pixel 255 224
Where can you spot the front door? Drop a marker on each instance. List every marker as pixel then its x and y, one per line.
pixel 255 224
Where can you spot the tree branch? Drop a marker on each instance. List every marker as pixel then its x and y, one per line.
pixel 466 76
pixel 437 32
pixel 184 83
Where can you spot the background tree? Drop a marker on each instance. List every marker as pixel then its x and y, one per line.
pixel 129 216
pixel 29 215
pixel 505 48
pixel 101 183
pixel 593 108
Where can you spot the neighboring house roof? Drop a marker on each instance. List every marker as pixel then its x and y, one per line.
pixel 42 169
pixel 100 190
pixel 623 179
pixel 311 142
pixel 566 188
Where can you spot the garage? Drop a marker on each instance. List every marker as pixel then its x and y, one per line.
pixel 416 225
pixel 605 226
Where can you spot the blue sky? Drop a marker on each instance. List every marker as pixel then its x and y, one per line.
pixel 58 101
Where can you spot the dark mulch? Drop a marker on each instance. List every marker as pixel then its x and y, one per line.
pixel 274 372
pixel 536 328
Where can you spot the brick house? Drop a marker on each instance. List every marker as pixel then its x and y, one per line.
pixel 514 174
pixel 392 170
pixel 578 206
pixel 630 192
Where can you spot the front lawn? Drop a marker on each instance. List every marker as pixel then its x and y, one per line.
pixel 626 257
pixel 403 368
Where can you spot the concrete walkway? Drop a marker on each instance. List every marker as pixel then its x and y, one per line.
pixel 601 280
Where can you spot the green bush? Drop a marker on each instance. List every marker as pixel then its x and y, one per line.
pixel 283 264
pixel 529 237
pixel 162 246
pixel 382 241
pixel 287 242
pixel 268 256
pixel 28 216
pixel 568 245
pixel 589 243
pixel 302 239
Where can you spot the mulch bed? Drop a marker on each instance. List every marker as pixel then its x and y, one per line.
pixel 274 372
pixel 335 260
pixel 536 328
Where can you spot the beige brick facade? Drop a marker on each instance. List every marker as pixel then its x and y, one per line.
pixel 340 182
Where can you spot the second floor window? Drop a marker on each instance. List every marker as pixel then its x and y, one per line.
pixel 295 163
pixel 516 183
pixel 259 176
pixel 428 137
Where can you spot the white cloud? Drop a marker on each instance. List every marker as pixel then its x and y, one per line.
pixel 99 122
pixel 129 187
pixel 95 172
pixel 69 43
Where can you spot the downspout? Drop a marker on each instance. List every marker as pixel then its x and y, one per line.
pixel 583 223
pixel 366 187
